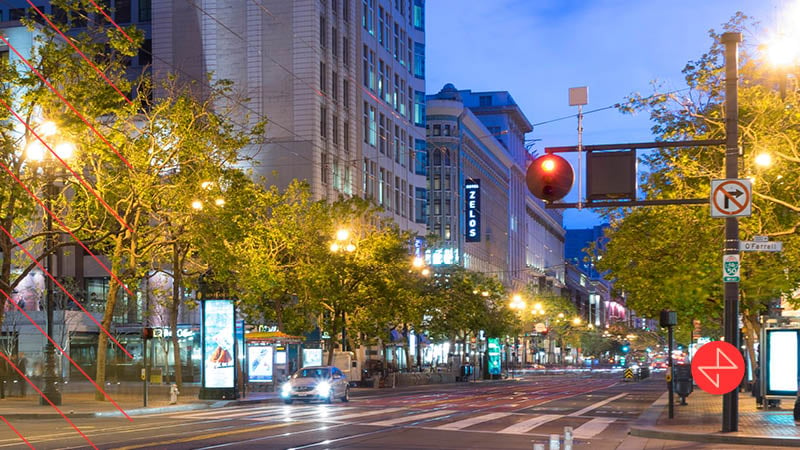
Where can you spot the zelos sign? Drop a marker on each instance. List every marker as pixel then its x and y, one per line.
pixel 472 194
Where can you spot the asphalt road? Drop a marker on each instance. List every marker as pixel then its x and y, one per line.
pixel 484 415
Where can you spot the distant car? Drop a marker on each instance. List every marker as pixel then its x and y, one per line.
pixel 324 383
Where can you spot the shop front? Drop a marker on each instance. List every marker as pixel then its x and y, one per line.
pixel 271 358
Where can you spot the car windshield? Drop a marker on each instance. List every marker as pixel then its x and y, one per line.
pixel 313 373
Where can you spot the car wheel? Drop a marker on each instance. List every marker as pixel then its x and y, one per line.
pixel 346 396
pixel 288 401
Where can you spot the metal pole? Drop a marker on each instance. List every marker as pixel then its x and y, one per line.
pixel 50 389
pixel 580 150
pixel 670 385
pixel 730 401
pixel 146 374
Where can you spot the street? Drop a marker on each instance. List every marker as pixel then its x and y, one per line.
pixel 509 414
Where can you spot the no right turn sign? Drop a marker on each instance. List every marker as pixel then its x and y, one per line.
pixel 730 197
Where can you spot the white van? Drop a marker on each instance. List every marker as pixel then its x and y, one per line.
pixel 347 363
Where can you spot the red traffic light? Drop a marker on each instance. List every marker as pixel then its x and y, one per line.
pixel 550 177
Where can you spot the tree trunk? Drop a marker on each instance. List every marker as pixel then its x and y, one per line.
pixel 753 331
pixel 102 341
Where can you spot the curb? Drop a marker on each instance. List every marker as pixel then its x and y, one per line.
pixel 714 438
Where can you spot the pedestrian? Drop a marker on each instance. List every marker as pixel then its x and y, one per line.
pixel 757 387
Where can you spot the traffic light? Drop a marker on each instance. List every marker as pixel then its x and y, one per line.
pixel 626 347
pixel 550 177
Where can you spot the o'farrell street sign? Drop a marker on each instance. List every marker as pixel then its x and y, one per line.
pixel 756 246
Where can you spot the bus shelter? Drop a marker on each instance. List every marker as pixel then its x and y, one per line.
pixel 271 357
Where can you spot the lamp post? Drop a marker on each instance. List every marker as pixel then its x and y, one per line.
pixel 343 244
pixel 44 159
pixel 518 304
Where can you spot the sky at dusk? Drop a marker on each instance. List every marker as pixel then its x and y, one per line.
pixel 538 49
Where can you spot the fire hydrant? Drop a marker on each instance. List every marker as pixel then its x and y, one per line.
pixel 173 394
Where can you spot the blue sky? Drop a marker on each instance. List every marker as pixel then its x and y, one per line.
pixel 538 49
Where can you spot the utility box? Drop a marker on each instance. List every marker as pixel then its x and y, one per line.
pixel 611 175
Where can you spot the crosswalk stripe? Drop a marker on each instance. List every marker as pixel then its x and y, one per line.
pixel 592 428
pixel 336 418
pixel 597 405
pixel 411 418
pixel 238 412
pixel 527 425
pixel 471 421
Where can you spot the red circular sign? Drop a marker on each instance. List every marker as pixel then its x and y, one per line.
pixel 718 367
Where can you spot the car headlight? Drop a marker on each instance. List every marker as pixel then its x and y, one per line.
pixel 286 389
pixel 324 388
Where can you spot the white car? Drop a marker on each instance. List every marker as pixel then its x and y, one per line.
pixel 316 383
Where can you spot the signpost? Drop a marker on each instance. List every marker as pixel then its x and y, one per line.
pixel 731 198
pixel 730 268
pixel 718 368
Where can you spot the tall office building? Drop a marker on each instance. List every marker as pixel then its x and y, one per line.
pixel 340 82
pixel 479 204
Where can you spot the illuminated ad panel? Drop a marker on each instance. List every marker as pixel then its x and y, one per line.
pixel 781 362
pixel 259 359
pixel 218 335
pixel 472 196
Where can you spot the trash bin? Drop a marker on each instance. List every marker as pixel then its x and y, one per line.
pixel 644 372
pixel 682 382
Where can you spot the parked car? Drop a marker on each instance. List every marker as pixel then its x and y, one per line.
pixel 324 383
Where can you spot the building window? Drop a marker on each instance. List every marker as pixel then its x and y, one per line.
pixel 419 14
pixel 346 93
pixel 145 10
pixel 323 32
pixel 381 183
pixel 335 7
pixel 323 77
pixel 370 126
pixel 369 68
pixel 348 181
pixel 324 167
pixel 381 37
pixel 146 53
pixel 419 108
pixel 367 13
pixel 446 130
pixel 335 42
pixel 323 121
pixel 346 136
pixel 485 100
pixel 381 78
pixel 346 10
pixel 16 13
pixel 335 85
pixel 419 60
pixel 420 157
pixel 337 175
pixel 421 205
pixel 335 129
pixel 122 11
pixel 437 130
pixel 382 133
pixel 346 51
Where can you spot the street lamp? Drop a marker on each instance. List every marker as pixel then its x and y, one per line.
pixel 343 243
pixel 44 159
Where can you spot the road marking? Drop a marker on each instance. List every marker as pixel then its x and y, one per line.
pixel 597 405
pixel 207 436
pixel 411 418
pixel 593 427
pixel 527 425
pixel 367 413
pixel 471 421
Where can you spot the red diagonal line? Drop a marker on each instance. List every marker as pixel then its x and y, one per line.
pixel 65 354
pixel 65 227
pixel 55 91
pixel 733 199
pixel 49 275
pixel 15 431
pixel 78 177
pixel 69 41
pixel 110 20
pixel 47 399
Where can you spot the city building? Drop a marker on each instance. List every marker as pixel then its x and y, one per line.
pixel 340 82
pixel 478 202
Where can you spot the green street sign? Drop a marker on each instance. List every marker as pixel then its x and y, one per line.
pixel 730 268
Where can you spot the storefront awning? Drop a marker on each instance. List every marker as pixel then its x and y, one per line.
pixel 273 336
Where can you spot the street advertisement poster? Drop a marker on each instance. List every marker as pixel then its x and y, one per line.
pixel 218 335
pixel 781 370
pixel 312 357
pixel 259 363
pixel 494 355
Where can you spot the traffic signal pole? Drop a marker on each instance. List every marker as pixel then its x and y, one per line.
pixel 730 401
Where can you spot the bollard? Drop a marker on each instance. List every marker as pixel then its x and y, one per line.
pixel 567 438
pixel 173 394
pixel 538 446
pixel 555 442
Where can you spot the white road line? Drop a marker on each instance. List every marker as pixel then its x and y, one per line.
pixel 597 405
pixel 527 425
pixel 471 421
pixel 335 418
pixel 410 418
pixel 592 428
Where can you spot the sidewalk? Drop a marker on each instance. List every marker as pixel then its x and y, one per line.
pixel 701 421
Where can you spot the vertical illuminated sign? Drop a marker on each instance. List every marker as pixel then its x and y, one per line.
pixel 472 196
pixel 781 362
pixel 260 363
pixel 218 340
pixel 494 356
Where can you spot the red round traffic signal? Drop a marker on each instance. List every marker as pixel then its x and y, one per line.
pixel 549 177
